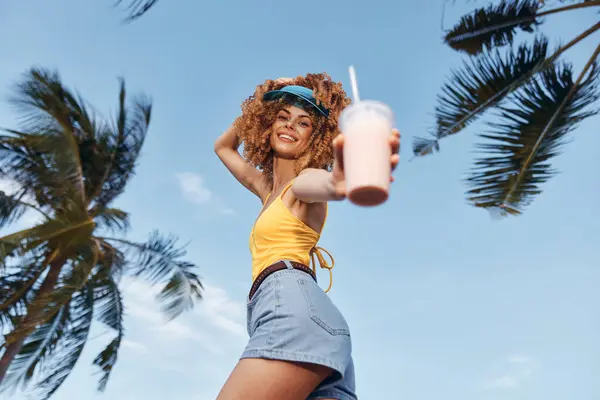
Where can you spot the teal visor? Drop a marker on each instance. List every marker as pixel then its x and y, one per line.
pixel 298 96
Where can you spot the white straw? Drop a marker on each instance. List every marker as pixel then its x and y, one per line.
pixel 354 84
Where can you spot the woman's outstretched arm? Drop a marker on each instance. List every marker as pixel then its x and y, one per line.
pixel 316 186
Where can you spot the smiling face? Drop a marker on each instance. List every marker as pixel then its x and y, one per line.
pixel 291 132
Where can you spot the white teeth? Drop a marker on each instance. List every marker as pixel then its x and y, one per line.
pixel 287 137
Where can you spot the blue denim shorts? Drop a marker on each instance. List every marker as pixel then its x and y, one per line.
pixel 290 318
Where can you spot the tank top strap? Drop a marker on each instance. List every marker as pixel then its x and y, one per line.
pixel 286 188
pixel 318 253
pixel 267 198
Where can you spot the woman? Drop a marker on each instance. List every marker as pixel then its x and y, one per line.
pixel 299 343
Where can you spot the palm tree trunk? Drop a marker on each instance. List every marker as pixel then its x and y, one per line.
pixel 13 348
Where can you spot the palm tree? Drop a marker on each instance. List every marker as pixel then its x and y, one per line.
pixel 536 98
pixel 136 8
pixel 56 277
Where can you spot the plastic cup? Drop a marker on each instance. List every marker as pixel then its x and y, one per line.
pixel 367 126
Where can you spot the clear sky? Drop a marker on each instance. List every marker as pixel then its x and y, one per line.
pixel 443 301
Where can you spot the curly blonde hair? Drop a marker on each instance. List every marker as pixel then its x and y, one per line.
pixel 253 127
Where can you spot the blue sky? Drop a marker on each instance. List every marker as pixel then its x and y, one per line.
pixel 443 301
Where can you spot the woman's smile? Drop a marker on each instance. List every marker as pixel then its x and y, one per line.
pixel 287 137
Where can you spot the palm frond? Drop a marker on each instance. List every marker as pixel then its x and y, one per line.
pixel 494 26
pixel 123 144
pixel 580 2
pixel 63 152
pixel 482 83
pixel 11 208
pixel 50 109
pixel 68 231
pixel 25 160
pixel 70 346
pixel 74 275
pixel 112 261
pixel 137 8
pixel 158 260
pixel 112 219
pixel 531 133
pixel 110 310
pixel 18 289
pixel 17 244
pixel 37 348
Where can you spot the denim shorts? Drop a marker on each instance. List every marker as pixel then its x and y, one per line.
pixel 290 318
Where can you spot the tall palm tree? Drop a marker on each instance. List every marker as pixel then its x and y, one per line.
pixel 536 97
pixel 70 166
pixel 136 8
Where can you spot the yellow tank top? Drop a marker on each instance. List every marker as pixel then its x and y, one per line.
pixel 278 235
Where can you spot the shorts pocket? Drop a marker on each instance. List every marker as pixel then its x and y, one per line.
pixel 322 310
pixel 249 308
pixel 259 305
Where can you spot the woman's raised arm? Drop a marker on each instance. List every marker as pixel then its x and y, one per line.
pixel 226 148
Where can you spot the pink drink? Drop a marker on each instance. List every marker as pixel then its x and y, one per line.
pixel 367 126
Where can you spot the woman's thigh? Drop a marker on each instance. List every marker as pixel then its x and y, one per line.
pixel 262 379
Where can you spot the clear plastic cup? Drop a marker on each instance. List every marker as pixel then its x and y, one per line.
pixel 367 126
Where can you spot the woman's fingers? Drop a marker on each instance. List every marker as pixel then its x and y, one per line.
pixel 340 190
pixel 395 143
pixel 338 150
pixel 395 159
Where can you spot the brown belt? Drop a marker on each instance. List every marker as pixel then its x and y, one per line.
pixel 278 266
